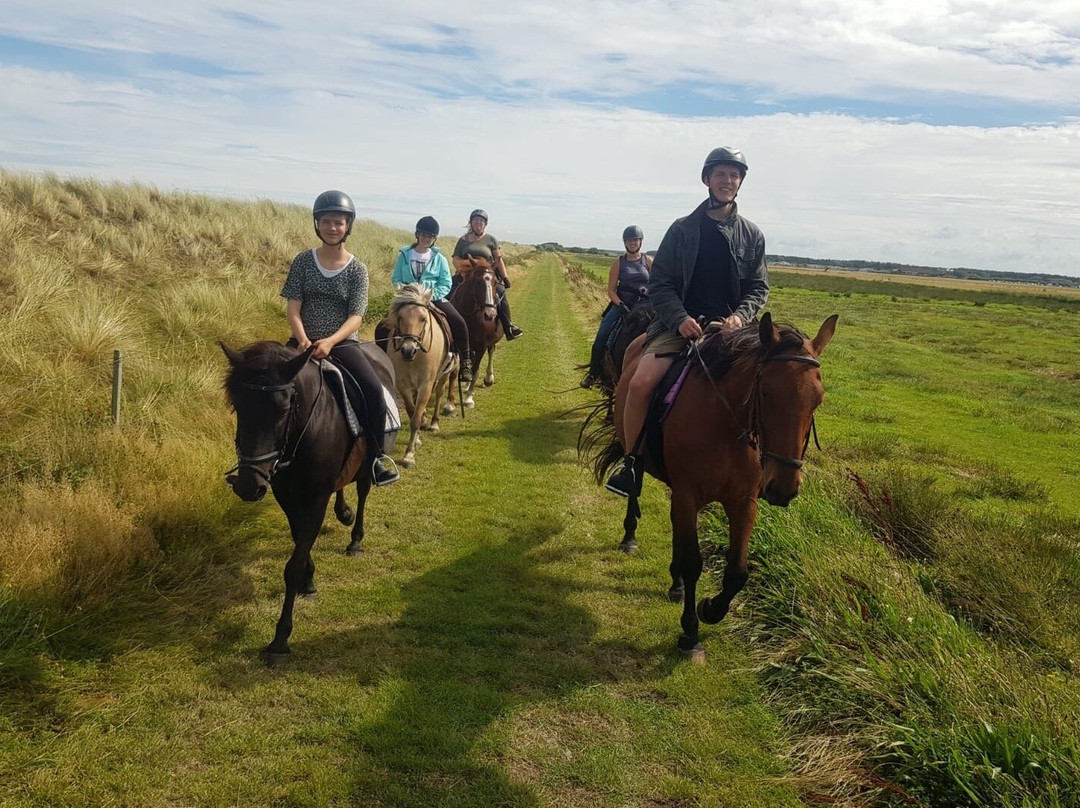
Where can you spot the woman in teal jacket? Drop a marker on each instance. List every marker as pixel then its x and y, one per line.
pixel 423 263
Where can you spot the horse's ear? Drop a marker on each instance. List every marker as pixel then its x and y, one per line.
pixel 234 356
pixel 825 334
pixel 296 364
pixel 767 332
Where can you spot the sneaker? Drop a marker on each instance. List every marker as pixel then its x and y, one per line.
pixel 588 381
pixel 624 481
pixel 465 370
pixel 513 332
pixel 384 471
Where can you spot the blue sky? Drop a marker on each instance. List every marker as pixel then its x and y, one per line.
pixel 943 133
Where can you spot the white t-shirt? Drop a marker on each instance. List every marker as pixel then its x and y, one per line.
pixel 418 262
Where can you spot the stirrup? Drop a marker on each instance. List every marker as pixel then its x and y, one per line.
pixel 513 332
pixel 624 480
pixel 588 381
pixel 389 474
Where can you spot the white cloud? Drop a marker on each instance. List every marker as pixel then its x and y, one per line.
pixel 356 99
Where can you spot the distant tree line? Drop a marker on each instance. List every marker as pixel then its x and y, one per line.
pixel 891 268
pixel 884 267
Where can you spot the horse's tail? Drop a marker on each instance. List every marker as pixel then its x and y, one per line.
pixel 597 445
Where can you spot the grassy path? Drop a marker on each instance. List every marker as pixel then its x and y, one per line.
pixel 490 648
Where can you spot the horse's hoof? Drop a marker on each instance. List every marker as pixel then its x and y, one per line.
pixel 309 594
pixel 628 546
pixel 449 409
pixel 408 462
pixel 676 595
pixel 695 655
pixel 346 516
pixel 489 382
pixel 434 428
pixel 469 402
pixel 706 618
pixel 275 659
pixel 354 549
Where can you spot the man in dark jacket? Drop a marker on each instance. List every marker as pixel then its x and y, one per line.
pixel 711 266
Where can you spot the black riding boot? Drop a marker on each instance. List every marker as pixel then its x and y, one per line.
pixel 465 366
pixel 511 330
pixel 626 479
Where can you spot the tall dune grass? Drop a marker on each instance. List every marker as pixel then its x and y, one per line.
pixel 88 268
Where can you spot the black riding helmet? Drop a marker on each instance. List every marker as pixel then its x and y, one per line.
pixel 633 231
pixel 724 155
pixel 334 202
pixel 479 212
pixel 427 224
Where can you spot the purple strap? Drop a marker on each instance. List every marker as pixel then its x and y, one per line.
pixel 669 399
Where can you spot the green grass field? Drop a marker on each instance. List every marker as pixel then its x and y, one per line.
pixel 909 635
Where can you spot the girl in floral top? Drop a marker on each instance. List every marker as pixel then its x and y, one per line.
pixel 327 294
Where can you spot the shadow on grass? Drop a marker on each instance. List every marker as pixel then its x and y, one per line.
pixel 478 639
pixel 198 574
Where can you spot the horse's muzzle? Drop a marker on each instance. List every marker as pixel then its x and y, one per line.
pixel 780 496
pixel 246 486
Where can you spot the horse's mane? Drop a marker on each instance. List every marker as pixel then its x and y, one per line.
pixel 724 350
pixel 257 360
pixel 407 295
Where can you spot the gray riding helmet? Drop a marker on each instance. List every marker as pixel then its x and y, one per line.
pixel 633 231
pixel 724 155
pixel 334 202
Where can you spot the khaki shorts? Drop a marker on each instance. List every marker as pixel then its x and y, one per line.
pixel 660 341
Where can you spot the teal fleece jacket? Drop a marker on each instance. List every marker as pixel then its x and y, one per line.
pixel 436 275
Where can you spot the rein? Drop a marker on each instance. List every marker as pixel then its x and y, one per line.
pixel 752 432
pixel 247 461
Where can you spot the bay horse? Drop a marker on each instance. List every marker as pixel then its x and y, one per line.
pixel 737 431
pixel 475 299
pixel 420 352
pixel 292 438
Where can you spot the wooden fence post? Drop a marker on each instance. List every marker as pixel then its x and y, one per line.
pixel 117 382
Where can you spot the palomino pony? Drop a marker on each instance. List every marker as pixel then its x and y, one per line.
pixel 475 300
pixel 292 438
pixel 737 431
pixel 419 349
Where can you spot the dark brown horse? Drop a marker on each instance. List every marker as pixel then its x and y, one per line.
pixel 292 438
pixel 633 326
pixel 737 431
pixel 475 299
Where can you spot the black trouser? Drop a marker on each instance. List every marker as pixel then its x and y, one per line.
pixel 457 326
pixel 373 417
pixel 504 308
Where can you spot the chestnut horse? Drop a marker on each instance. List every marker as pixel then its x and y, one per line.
pixel 419 350
pixel 737 431
pixel 292 438
pixel 475 298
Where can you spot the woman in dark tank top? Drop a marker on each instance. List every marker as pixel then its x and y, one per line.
pixel 628 280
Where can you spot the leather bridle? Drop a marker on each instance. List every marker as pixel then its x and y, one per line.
pixel 255 462
pixel 752 432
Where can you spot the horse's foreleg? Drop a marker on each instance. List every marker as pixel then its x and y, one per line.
pixel 363 488
pixel 686 564
pixel 633 513
pixel 451 394
pixel 298 570
pixel 416 419
pixel 342 510
pixel 741 518
pixel 489 377
pixel 440 382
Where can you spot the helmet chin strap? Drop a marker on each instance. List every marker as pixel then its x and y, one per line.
pixel 715 203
